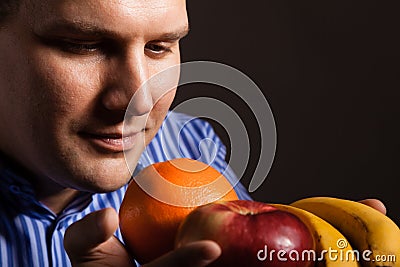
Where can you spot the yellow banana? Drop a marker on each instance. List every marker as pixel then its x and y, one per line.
pixel 375 236
pixel 331 245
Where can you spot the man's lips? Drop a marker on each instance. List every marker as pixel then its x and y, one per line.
pixel 113 142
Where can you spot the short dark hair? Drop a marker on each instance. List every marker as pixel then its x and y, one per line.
pixel 8 7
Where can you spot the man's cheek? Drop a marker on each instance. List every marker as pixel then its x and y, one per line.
pixel 165 101
pixel 62 89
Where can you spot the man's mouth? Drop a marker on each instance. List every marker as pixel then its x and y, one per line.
pixel 114 142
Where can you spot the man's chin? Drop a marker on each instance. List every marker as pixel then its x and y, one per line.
pixel 97 176
pixel 101 183
pixel 87 170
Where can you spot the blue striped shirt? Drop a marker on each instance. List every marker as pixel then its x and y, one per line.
pixel 32 235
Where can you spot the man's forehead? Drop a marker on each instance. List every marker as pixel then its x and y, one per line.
pixel 137 4
pixel 127 7
pixel 110 15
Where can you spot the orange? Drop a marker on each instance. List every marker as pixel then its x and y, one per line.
pixel 160 197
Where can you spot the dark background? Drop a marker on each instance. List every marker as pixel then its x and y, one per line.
pixel 330 71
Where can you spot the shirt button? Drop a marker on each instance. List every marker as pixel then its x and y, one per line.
pixel 14 189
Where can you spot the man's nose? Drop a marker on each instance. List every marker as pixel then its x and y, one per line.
pixel 128 75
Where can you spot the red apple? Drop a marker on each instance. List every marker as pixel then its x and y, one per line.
pixel 250 234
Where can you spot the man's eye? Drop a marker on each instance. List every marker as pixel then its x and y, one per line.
pixel 157 48
pixel 79 47
pixel 76 46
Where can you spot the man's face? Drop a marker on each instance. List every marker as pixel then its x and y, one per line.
pixel 68 69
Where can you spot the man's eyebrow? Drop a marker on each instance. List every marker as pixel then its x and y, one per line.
pixel 82 27
pixel 173 36
pixel 77 27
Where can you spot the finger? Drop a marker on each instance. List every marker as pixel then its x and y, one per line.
pixel 86 234
pixel 195 254
pixel 375 203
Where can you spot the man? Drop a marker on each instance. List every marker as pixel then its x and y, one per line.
pixel 69 69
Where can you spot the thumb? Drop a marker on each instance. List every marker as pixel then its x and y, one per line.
pixel 88 233
pixel 375 203
pixel 195 254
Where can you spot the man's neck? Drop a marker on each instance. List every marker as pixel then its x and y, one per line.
pixel 52 195
pixel 57 201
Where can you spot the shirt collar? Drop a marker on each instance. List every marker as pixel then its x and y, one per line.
pixel 18 191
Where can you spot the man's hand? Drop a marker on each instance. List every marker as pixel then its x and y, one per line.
pixel 196 254
pixel 90 242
